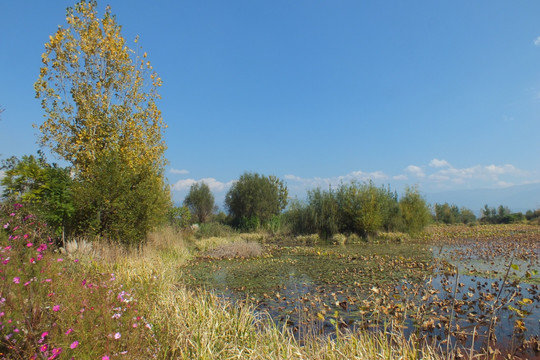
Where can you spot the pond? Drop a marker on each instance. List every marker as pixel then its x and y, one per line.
pixel 459 292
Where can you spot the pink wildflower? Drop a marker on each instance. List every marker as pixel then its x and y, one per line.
pixel 55 353
pixel 43 348
pixel 74 344
pixel 69 331
pixel 56 307
pixel 105 357
pixel 117 336
pixel 29 245
pixel 16 280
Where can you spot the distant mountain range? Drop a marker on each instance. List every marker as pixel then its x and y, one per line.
pixel 518 198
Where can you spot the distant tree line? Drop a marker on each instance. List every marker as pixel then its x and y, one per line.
pixel 451 214
pixel 358 208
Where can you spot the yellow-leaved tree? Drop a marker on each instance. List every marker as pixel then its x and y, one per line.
pixel 99 98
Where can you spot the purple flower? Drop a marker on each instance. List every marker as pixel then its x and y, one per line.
pixel 56 307
pixel 74 344
pixel 16 280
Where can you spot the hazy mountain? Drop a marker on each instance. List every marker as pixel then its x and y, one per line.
pixel 517 198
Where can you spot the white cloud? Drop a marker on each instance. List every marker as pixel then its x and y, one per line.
pixel 179 172
pixel 292 178
pixel 335 180
pixel 537 41
pixel 504 184
pixel 213 184
pixel 415 170
pixel 401 177
pixel 436 163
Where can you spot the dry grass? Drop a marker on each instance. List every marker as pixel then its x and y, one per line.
pixel 236 249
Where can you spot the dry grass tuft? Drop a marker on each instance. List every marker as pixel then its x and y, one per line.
pixel 236 249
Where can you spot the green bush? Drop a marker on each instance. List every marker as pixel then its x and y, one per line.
pixel 254 199
pixel 118 202
pixel 213 229
pixel 414 210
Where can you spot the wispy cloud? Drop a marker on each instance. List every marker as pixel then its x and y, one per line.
pixel 436 163
pixel 537 41
pixel 179 172
pixel 438 174
pixel 335 180
pixel 213 184
pixel 415 171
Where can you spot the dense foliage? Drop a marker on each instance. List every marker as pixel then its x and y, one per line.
pixel 501 215
pixel 101 116
pixel 254 199
pixel 200 202
pixel 451 214
pixel 44 187
pixel 357 208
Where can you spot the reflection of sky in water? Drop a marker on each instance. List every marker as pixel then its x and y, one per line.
pixel 298 285
pixel 494 266
pixel 480 308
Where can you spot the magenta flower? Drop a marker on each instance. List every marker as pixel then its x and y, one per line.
pixel 69 331
pixel 74 344
pixel 55 353
pixel 43 348
pixel 16 280
pixel 29 245
pixel 105 357
pixel 56 307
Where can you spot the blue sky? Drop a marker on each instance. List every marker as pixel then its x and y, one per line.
pixel 443 94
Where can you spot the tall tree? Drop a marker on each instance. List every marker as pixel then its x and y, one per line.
pixel 200 201
pixel 98 95
pixel 255 198
pixel 99 98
